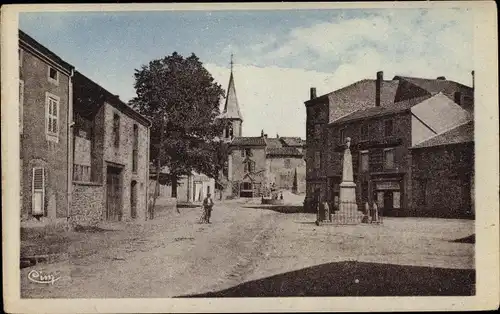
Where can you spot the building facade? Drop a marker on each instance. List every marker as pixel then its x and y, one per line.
pixel 384 120
pixel 111 155
pixel 45 88
pixel 443 174
pixel 258 165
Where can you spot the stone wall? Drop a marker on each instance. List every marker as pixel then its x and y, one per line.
pixel 87 203
pixel 442 180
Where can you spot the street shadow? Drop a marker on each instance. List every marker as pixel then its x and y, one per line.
pixel 286 209
pixel 356 279
pixel 470 239
pixel 306 222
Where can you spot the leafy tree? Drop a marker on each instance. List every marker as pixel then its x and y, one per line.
pixel 182 100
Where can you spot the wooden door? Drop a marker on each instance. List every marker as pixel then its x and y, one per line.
pixel 133 199
pixel 113 199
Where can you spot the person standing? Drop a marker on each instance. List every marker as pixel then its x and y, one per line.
pixel 208 204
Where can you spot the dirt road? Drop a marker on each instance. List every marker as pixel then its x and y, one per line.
pixel 176 256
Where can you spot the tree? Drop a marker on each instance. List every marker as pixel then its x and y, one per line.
pixel 294 187
pixel 182 99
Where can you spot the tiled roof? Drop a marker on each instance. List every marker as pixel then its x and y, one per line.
pixel 433 86
pixel 273 142
pixel 382 110
pixel 461 134
pixel 293 141
pixel 248 141
pixel 283 151
pixel 35 44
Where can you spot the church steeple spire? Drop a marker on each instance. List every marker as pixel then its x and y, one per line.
pixel 232 107
pixel 231 113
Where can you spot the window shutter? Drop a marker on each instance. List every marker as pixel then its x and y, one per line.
pixel 38 191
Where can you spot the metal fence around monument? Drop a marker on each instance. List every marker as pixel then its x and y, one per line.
pixel 351 213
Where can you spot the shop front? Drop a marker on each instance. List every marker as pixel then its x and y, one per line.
pixel 388 195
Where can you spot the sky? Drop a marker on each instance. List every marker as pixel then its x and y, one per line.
pixel 278 55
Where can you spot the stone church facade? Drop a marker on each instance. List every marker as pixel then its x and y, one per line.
pixel 257 166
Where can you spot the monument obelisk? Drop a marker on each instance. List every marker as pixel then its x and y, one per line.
pixel 348 212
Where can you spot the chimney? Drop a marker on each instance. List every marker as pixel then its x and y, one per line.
pixel 442 78
pixel 277 135
pixel 313 92
pixel 378 86
pixel 472 79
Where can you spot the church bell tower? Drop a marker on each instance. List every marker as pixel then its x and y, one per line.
pixel 231 115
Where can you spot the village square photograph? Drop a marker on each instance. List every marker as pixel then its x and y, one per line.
pixel 239 153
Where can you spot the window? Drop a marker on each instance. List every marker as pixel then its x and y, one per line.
pixel 342 136
pixel 116 129
pixel 364 160
pixel 20 58
pixel 53 75
pixel 422 200
pixel 242 153
pixel 458 98
pixel 364 131
pixel 38 192
pixel 388 128
pixel 248 152
pixel 287 163
pixel 52 117
pixel 389 158
pixel 21 103
pixel 317 131
pixel 135 149
pixel 249 166
pixel 317 160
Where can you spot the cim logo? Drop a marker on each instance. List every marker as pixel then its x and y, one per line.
pixel 41 277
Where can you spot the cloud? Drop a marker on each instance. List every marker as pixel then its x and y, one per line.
pixel 423 43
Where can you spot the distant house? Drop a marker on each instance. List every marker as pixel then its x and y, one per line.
pixel 45 115
pixel 385 121
pixel 111 155
pixel 190 189
pixel 256 165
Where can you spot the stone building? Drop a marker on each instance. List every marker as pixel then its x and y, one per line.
pixel 384 119
pixel 45 88
pixel 190 189
pixel 111 155
pixel 443 174
pixel 256 165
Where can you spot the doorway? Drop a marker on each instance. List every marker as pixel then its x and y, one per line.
pixel 388 201
pixel 133 199
pixel 113 193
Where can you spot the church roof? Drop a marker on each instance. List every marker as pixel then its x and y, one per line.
pixel 231 107
pixel 248 141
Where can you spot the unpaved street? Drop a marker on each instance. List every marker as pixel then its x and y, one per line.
pixel 175 256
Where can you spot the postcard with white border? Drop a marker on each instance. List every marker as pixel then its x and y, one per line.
pixel 250 157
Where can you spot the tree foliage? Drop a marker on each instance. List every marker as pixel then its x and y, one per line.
pixel 182 99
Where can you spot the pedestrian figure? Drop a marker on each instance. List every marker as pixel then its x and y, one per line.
pixel 375 212
pixel 208 203
pixel 281 196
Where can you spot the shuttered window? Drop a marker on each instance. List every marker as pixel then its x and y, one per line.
pixel 38 191
pixel 52 116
